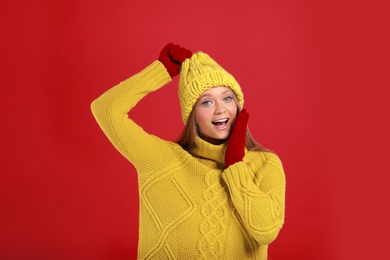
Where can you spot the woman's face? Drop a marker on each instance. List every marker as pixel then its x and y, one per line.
pixel 215 114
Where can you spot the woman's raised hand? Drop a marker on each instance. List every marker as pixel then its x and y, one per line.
pixel 172 56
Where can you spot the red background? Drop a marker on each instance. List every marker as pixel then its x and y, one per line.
pixel 312 75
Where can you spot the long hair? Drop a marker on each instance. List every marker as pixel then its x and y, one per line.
pixel 187 137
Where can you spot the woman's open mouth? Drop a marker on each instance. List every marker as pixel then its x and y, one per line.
pixel 221 123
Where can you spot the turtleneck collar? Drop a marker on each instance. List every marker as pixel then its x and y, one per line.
pixel 209 151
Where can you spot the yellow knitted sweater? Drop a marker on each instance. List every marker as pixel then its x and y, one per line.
pixel 191 206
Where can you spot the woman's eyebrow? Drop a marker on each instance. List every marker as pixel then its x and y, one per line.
pixel 226 91
pixel 222 93
pixel 204 95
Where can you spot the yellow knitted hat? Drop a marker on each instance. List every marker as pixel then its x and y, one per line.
pixel 199 73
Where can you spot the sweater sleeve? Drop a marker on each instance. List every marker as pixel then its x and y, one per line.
pixel 111 109
pixel 257 187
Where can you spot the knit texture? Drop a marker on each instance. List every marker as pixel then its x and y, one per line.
pixel 198 74
pixel 191 206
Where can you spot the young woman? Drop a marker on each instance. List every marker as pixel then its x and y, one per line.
pixel 213 194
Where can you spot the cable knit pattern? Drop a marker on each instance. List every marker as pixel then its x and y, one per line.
pixel 215 213
pixel 191 207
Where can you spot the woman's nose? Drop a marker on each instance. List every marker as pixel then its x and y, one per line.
pixel 219 108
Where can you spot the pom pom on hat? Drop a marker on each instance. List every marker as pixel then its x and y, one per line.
pixel 199 73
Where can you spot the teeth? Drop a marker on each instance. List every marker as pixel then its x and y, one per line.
pixel 220 120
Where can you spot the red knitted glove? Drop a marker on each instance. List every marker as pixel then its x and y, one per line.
pixel 172 56
pixel 235 150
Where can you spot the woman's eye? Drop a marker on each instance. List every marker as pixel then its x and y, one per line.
pixel 206 103
pixel 228 98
